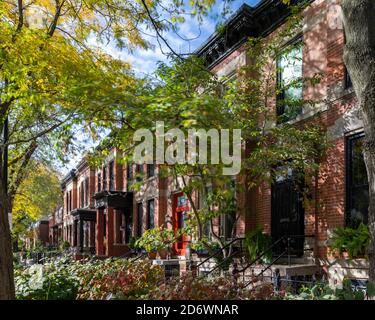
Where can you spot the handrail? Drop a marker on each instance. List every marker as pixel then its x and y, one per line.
pixel 287 237
pixel 144 253
pixel 268 267
pixel 218 251
pixel 219 264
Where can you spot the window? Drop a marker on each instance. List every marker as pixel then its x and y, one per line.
pixel 129 175
pixel 70 201
pixel 87 192
pixel 129 171
pixel 82 194
pixel 67 201
pixel 99 181
pixel 150 214
pixel 357 188
pixel 139 219
pixel 112 175
pixel 105 182
pixel 289 83
pixel 150 170
pixel 139 172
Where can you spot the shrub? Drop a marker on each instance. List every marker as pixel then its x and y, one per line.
pixel 201 288
pixel 118 279
pixel 51 281
pixel 257 242
pixel 322 291
pixel 156 239
pixel 353 241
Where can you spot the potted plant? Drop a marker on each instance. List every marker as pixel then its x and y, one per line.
pixel 351 243
pixel 257 242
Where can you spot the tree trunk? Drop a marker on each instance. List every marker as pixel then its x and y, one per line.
pixel 359 57
pixel 6 256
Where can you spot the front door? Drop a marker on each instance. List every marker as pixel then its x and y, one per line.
pixel 287 212
pixel 180 210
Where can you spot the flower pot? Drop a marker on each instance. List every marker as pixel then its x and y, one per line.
pixel 152 255
pixel 163 253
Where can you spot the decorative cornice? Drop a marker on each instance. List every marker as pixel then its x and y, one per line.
pixel 72 175
pixel 258 21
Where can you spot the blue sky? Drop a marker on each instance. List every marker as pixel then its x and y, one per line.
pixel 144 62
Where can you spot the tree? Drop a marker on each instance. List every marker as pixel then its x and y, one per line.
pixel 359 57
pixel 38 195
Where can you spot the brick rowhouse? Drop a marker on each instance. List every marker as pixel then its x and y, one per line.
pixel 108 211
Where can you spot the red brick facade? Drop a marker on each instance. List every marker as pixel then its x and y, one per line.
pixel 323 37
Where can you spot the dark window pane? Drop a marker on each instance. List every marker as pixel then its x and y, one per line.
pixel 82 188
pixel 139 219
pixel 112 176
pixel 151 214
pixel 357 183
pixel 87 192
pixel 105 178
pixel 99 182
pixel 150 170
pixel 129 171
pixel 139 172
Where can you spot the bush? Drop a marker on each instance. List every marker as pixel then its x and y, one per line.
pixel 118 279
pixel 201 288
pixel 257 242
pixel 156 239
pixel 51 281
pixel 353 241
pixel 65 279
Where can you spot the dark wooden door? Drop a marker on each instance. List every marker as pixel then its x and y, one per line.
pixel 287 216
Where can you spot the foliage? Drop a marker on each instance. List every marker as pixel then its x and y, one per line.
pixel 256 242
pixel 222 260
pixel 38 195
pixel 51 281
pixel 201 288
pixel 353 241
pixel 322 291
pixel 65 245
pixel 117 279
pixel 89 279
pixel 156 239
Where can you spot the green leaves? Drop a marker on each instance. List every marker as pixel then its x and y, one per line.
pixel 158 238
pixel 257 242
pixel 353 241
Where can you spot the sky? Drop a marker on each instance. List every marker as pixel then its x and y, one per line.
pixel 144 62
